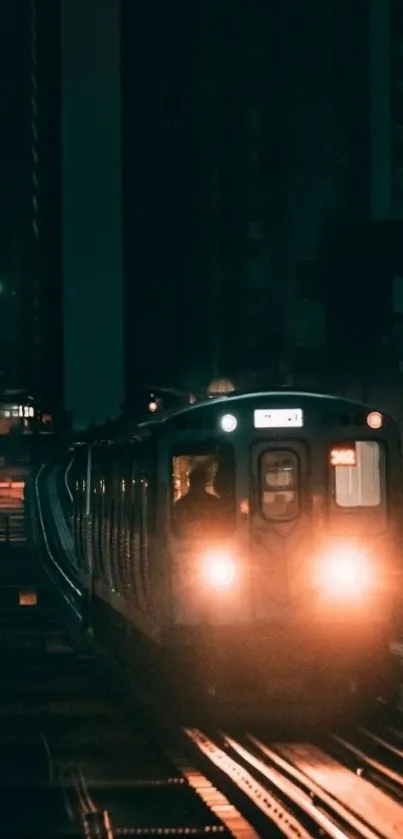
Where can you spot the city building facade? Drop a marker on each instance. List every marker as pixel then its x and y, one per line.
pixel 30 247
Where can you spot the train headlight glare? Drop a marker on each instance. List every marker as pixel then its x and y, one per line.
pixel 345 571
pixel 218 569
pixel 228 422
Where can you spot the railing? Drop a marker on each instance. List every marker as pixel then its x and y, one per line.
pixel 12 526
pixel 12 513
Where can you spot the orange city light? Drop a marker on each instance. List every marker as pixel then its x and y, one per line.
pixel 28 598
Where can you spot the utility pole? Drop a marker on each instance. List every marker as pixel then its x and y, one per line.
pixel 215 279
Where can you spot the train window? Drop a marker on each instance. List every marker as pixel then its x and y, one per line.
pixel 361 485
pixel 145 456
pixel 150 485
pixel 108 533
pixel 203 491
pixel 80 543
pixel 124 544
pixel 279 485
pixel 103 572
pixel 96 516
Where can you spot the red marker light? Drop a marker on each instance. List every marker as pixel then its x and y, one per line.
pixel 375 420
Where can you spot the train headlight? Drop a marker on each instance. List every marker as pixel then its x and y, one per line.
pixel 345 571
pixel 219 569
pixel 228 423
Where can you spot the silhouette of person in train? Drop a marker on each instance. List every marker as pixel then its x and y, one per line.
pixel 220 483
pixel 198 508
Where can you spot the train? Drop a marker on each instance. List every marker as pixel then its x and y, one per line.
pixel 245 549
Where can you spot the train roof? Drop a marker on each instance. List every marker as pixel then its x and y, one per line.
pixel 233 398
pixel 163 418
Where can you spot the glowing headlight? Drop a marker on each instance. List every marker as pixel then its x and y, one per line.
pixel 228 422
pixel 219 569
pixel 345 570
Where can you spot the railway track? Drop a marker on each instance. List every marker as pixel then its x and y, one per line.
pixel 70 750
pixel 375 755
pixel 73 762
pixel 81 768
pixel 301 789
pixel 84 760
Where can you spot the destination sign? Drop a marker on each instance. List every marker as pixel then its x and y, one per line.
pixel 279 418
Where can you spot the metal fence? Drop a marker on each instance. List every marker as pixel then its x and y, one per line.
pixel 12 526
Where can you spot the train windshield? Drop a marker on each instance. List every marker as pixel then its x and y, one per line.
pixel 203 491
pixel 279 480
pixel 360 483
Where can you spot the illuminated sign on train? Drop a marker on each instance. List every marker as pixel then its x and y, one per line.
pixel 343 455
pixel 279 418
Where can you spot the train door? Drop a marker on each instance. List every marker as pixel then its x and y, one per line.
pixel 281 525
pixel 358 489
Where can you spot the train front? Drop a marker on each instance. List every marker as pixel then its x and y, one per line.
pixel 284 544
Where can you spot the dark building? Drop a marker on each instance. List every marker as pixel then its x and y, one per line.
pixel 396 74
pixel 365 257
pixel 91 210
pixel 246 143
pixel 30 257
pixel 165 311
pixel 386 81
